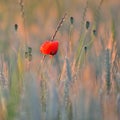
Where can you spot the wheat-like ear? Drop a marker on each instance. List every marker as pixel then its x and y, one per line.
pixel 3 80
pixel 118 105
pixel 22 11
pixel 108 68
pixel 58 27
pixel 67 82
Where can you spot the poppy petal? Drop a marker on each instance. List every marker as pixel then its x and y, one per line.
pixel 49 47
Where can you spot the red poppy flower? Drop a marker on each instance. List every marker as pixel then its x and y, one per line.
pixel 49 47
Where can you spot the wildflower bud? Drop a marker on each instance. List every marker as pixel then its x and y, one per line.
pixel 87 24
pixel 94 32
pixel 85 48
pixel 71 20
pixel 26 54
pixel 16 26
pixel 29 49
